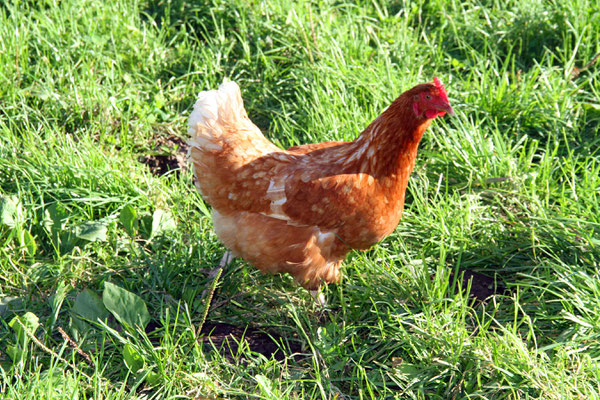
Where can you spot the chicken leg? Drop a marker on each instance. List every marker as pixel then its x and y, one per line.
pixel 227 258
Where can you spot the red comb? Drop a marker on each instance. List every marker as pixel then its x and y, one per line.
pixel 440 86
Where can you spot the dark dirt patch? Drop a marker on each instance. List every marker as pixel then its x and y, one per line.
pixel 169 153
pixel 482 286
pixel 226 337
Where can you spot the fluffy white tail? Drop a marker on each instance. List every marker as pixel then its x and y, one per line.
pixel 219 120
pixel 214 112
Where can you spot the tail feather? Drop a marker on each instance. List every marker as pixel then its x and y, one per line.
pixel 214 112
pixel 219 118
pixel 222 140
pixel 222 106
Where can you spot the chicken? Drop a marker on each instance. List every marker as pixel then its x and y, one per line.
pixel 301 210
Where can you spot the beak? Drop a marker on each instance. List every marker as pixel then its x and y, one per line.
pixel 446 108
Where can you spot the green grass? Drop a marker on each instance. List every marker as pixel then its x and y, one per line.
pixel 508 188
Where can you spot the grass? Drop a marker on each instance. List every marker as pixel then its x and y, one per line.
pixel 508 188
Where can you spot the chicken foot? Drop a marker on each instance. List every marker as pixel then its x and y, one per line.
pixel 319 298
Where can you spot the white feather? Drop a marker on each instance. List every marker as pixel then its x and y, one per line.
pixel 213 110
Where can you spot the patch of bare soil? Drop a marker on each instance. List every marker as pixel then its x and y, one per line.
pixel 482 286
pixel 226 337
pixel 169 153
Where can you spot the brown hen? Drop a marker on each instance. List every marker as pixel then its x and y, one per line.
pixel 301 210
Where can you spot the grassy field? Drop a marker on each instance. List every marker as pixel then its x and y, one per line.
pixel 105 246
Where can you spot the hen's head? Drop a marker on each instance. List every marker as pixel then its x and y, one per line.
pixel 430 100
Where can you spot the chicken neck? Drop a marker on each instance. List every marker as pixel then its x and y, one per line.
pixel 387 148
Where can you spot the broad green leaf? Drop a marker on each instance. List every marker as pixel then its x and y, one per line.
pixel 128 218
pixel 56 301
pixel 87 307
pixel 8 303
pixel 145 223
pixel 127 307
pixel 162 222
pixel 15 352
pixel 27 241
pixel 55 217
pixel 92 231
pixel 133 360
pixel 18 351
pixel 9 210
pixel 153 378
pixel 54 220
pixel 29 320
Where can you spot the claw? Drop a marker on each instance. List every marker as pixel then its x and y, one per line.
pixel 319 298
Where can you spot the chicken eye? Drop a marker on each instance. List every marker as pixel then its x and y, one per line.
pixel 427 97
